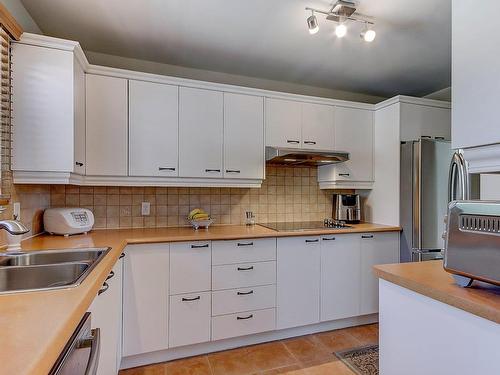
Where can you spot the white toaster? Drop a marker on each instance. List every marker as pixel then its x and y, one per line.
pixel 67 221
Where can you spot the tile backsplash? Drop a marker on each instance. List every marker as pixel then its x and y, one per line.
pixel 287 194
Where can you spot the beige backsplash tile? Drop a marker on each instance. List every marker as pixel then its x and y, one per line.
pixel 287 194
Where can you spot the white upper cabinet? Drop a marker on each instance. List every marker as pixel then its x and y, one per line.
pixel 475 86
pixel 107 130
pixel 294 124
pixel 48 110
pixel 200 133
pixel 283 123
pixel 353 134
pixel 424 121
pixel 153 129
pixel 243 136
pixel 317 126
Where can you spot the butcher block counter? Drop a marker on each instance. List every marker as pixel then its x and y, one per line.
pixel 35 326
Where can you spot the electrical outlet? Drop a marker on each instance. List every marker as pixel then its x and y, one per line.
pixel 145 208
pixel 17 210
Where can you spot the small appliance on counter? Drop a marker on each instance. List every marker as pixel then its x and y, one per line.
pixel 472 242
pixel 68 221
pixel 347 208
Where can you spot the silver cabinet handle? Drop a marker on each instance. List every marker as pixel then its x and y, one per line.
pixel 166 168
pixel 212 170
pixel 244 317
pixel 328 238
pixel 95 348
pixel 244 293
pixel 233 171
pixel 199 246
pixel 344 174
pixel 111 274
pixel 309 142
pixel 185 299
pixel 105 287
pixel 245 244
pixel 311 241
pixel 292 141
pixel 245 268
pixel 366 236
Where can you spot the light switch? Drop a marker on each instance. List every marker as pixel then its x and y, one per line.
pixel 145 208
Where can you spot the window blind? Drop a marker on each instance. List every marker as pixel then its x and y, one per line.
pixel 5 101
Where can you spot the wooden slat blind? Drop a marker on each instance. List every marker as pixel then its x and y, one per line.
pixel 5 100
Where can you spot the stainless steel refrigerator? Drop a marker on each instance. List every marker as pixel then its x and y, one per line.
pixel 425 166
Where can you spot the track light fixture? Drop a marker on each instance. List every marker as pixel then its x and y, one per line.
pixel 341 12
pixel 312 23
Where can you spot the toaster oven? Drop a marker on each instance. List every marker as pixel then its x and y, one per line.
pixel 472 241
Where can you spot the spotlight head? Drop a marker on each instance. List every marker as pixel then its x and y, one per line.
pixel 368 35
pixel 312 24
pixel 341 30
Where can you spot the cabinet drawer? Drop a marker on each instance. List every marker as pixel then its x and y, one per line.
pixel 243 251
pixel 241 324
pixel 190 267
pixel 243 299
pixel 189 319
pixel 243 275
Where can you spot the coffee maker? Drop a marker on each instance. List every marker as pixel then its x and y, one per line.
pixel 347 208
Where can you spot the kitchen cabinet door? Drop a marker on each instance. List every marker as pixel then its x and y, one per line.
pixel 153 129
pixel 283 123
pixel 190 267
pixel 340 276
pixel 353 134
pixel 243 136
pixel 376 248
pixel 200 133
pixel 145 298
pixel 317 126
pixel 424 121
pixel 43 121
pixel 107 130
pixel 106 312
pixel 80 126
pixel 298 281
pixel 475 62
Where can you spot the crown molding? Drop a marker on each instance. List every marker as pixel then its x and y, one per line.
pixel 413 100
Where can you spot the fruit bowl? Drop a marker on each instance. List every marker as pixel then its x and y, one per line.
pixel 201 223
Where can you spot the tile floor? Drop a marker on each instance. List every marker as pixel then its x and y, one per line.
pixel 305 355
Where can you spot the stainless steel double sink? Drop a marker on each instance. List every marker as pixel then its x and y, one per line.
pixel 47 270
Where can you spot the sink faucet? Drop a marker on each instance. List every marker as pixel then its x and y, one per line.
pixel 13 227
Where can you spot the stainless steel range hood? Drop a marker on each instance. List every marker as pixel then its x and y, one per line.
pixel 298 157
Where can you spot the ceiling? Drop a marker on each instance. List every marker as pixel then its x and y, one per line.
pixel 267 39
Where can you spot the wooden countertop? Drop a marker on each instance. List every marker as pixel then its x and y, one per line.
pixel 431 280
pixel 35 326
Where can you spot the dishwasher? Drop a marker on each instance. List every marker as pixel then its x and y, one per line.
pixel 81 354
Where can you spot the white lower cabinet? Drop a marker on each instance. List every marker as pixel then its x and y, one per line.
pixel 340 276
pixel 189 319
pixel 243 275
pixel 243 299
pixel 107 316
pixel 240 324
pixel 298 281
pixel 376 248
pixel 190 267
pixel 145 298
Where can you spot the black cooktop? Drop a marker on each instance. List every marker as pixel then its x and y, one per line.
pixel 299 226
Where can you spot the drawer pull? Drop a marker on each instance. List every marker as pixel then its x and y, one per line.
pixel 244 317
pixel 311 241
pixel 105 287
pixel 245 243
pixel 122 255
pixel 198 246
pixel 292 141
pixel 328 238
pixel 166 168
pixel 309 142
pixel 233 171
pixel 79 164
pixel 111 274
pixel 344 174
pixel 245 268
pixel 367 236
pixel 212 170
pixel 244 293
pixel 184 299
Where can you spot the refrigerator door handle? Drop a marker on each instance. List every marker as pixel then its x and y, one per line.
pixel 458 178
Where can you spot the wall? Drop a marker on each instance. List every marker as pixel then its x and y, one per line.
pixel 224 78
pixel 17 9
